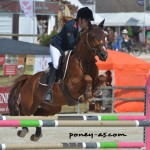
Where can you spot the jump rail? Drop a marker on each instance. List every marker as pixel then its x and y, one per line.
pixel 74 117
pixel 86 145
pixel 80 123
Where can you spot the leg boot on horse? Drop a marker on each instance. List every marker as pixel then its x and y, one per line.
pixel 51 78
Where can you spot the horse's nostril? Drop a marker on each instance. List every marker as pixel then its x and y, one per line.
pixel 104 56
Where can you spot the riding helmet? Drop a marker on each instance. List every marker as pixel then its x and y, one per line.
pixel 85 13
pixel 124 31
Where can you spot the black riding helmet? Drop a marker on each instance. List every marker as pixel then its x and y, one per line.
pixel 85 13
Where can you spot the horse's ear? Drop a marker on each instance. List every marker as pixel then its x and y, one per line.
pixel 102 24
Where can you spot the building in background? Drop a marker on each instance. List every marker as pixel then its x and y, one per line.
pixel 15 22
pixel 45 18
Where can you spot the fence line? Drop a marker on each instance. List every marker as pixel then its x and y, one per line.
pixel 16 35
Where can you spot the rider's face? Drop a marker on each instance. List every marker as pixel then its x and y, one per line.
pixel 83 23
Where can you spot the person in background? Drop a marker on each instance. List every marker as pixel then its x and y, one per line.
pixel 141 38
pixel 126 41
pixel 117 43
pixel 110 37
pixel 99 93
pixel 148 39
pixel 103 81
pixel 108 75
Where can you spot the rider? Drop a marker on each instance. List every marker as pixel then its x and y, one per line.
pixel 65 40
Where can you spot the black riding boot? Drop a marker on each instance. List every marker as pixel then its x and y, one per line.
pixel 48 96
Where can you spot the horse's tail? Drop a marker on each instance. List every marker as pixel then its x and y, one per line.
pixel 13 98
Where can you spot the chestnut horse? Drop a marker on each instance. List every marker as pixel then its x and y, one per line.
pixel 26 96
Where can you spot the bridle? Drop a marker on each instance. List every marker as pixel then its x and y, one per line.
pixel 89 46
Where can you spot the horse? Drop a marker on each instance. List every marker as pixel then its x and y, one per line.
pixel 80 76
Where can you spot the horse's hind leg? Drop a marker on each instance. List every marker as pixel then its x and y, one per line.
pixel 43 112
pixel 23 132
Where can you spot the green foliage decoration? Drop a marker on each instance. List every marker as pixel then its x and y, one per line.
pixel 45 39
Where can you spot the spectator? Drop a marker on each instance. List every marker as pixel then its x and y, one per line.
pixel 99 93
pixel 108 75
pixel 126 41
pixel 141 38
pixel 101 106
pixel 110 37
pixel 117 43
pixel 148 39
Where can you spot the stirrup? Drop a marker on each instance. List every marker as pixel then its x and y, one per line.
pixel 48 97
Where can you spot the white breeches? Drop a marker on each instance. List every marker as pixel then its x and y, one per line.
pixel 55 55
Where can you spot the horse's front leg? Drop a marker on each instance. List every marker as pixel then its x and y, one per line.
pixel 38 134
pixel 23 132
pixel 88 88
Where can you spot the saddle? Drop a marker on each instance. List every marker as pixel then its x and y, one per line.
pixel 61 72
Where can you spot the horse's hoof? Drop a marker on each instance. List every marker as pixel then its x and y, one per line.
pixel 22 133
pixel 35 137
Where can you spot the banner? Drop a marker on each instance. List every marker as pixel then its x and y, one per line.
pixel 41 63
pixel 30 60
pixel 4 93
pixel 21 59
pixel 40 7
pixel 2 59
pixel 27 7
pixel 10 69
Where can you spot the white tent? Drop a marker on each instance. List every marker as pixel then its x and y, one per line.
pixel 126 19
pixel 119 19
pixel 97 18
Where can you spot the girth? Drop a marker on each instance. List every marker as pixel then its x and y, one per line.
pixel 71 101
